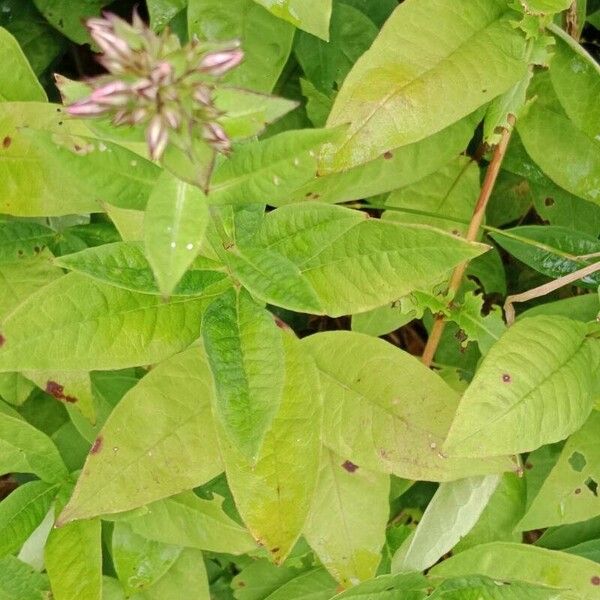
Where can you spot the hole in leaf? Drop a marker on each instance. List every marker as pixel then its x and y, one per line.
pixel 592 486
pixel 549 201
pixel 577 461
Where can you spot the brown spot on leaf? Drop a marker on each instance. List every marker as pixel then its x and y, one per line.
pixel 6 142
pixel 506 378
pixel 595 580
pixel 308 194
pixel 528 466
pixel 387 155
pixel 241 584
pixel 97 445
pixel 578 491
pixel 2 340
pixel 549 201
pixel 276 549
pixel 58 391
pixel 349 466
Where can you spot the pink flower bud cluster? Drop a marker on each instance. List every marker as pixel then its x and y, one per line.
pixel 153 81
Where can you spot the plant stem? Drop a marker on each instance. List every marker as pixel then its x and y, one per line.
pixel 546 288
pixel 476 220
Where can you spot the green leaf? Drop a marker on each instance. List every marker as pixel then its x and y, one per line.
pixel 270 169
pixel 274 493
pixel 309 15
pixel 336 261
pixel 347 522
pixel 18 580
pixel 392 418
pixel 546 125
pixel 24 449
pixel 390 100
pixel 318 105
pixel 246 113
pixel 245 353
pixel 187 520
pixel 584 307
pixel 526 563
pixel 173 450
pixel 267 41
pixel 123 264
pixel 315 584
pixel 378 11
pixel 544 7
pixel 174 224
pixel 445 199
pixel 552 251
pixel 161 12
pixel 411 586
pixel 392 170
pixel 68 16
pixel 139 562
pixel 569 493
pixel 451 514
pixel 112 328
pixel 22 511
pixel 73 558
pixel 46 174
pixel 326 63
pixel 17 79
pixel 24 239
pixel 518 400
pixel 14 388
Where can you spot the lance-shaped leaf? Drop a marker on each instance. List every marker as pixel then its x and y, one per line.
pixel 274 493
pixel 570 492
pixel 384 410
pixel 124 265
pixel 19 580
pixel 174 449
pixel 268 170
pixel 408 586
pixel 311 15
pixel 73 557
pixel 17 79
pixel 77 323
pixel 267 41
pixel 245 352
pixel 522 562
pixel 392 98
pixel 187 520
pixel 347 522
pixel 174 223
pixel 332 260
pixel 22 511
pixel 25 449
pixel 535 386
pixel 450 515
pixel 24 239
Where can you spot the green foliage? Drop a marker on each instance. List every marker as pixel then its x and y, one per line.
pixel 216 291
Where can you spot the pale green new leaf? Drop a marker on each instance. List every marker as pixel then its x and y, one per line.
pixel 174 223
pixel 332 260
pixel 139 562
pixel 535 386
pixel 429 81
pixel 385 411
pixel 347 522
pixel 76 323
pixel 73 558
pixel 187 520
pixel 268 171
pixel 123 264
pixel 267 41
pixel 569 493
pixel 450 515
pixel 17 80
pixel 174 449
pixel 22 511
pixel 311 15
pixel 25 449
pixel 274 493
pixel 521 562
pixel 245 353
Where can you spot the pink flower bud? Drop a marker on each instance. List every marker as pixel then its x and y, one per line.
pixel 172 117
pixel 157 137
pixel 138 115
pixel 214 135
pixel 86 108
pixel 202 94
pixel 162 73
pixel 113 46
pixel 115 93
pixel 218 63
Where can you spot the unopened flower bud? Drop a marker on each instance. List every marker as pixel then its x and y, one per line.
pixel 86 108
pixel 203 95
pixel 172 117
pixel 113 46
pixel 157 137
pixel 218 63
pixel 162 73
pixel 115 93
pixel 215 135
